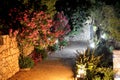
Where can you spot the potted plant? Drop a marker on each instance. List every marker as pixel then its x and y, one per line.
pixel 25 62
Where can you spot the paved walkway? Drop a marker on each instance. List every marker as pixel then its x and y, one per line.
pixel 48 70
pixel 70 50
pixel 58 66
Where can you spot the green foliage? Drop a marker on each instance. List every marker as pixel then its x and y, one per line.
pixel 60 27
pixel 108 73
pixel 76 14
pixel 25 62
pixel 100 74
pixel 87 58
pixel 10 11
pixel 50 4
pixel 63 43
pixel 43 52
pixel 78 17
pixel 106 21
pixel 114 28
pixel 90 61
pixel 72 33
pixel 94 70
pixel 104 47
pixel 53 47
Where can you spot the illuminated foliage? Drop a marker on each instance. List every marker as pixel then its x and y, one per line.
pixel 60 27
pixel 106 21
pixel 10 10
pixel 36 29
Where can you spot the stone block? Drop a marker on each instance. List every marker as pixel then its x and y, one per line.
pixel 2 48
pixel 1 40
pixel 5 53
pixel 116 58
pixel 17 69
pixel 3 70
pixel 15 57
pixel 10 69
pixel 3 60
pixel 13 44
pixel 13 39
pixel 116 64
pixel 1 57
pixel 9 75
pixel 0 77
pixel 6 39
pixel 14 51
pixel 9 58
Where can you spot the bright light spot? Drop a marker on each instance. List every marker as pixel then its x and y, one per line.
pixel 103 36
pixel 56 41
pixel 89 20
pixel 81 71
pixel 92 45
pixel 94 28
pixel 49 38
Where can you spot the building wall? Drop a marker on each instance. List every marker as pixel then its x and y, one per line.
pixel 9 54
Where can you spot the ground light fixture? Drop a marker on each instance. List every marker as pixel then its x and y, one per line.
pixel 92 45
pixel 103 36
pixel 56 41
pixel 81 72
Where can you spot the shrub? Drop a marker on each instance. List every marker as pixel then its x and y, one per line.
pixel 94 70
pixel 53 47
pixel 42 52
pixel 63 43
pixel 25 62
pixel 61 25
pixel 104 48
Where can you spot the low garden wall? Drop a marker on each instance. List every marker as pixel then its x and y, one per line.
pixel 116 64
pixel 9 53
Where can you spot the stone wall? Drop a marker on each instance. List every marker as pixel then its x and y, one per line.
pixel 9 53
pixel 116 64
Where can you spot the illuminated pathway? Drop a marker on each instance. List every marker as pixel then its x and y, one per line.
pixel 58 66
pixel 47 70
pixel 70 50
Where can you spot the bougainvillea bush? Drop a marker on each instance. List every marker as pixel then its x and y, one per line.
pixel 40 30
pixel 36 29
pixel 61 25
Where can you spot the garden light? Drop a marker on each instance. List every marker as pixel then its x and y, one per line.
pixel 56 41
pixel 92 45
pixel 81 71
pixel 103 36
